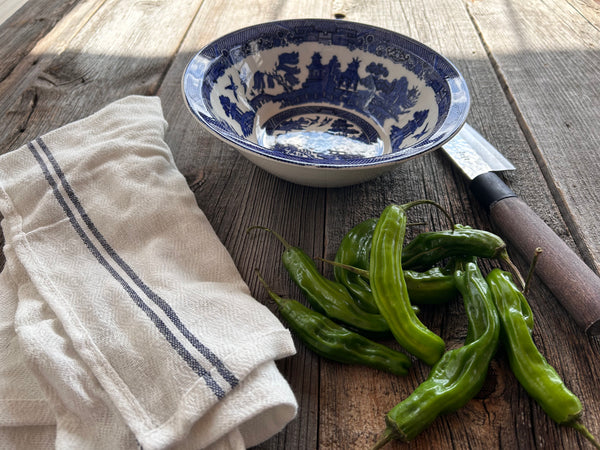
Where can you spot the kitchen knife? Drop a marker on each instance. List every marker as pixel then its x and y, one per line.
pixel 573 283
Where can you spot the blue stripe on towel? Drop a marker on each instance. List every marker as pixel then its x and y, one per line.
pixel 158 322
pixel 161 303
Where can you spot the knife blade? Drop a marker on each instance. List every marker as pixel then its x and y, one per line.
pixel 572 281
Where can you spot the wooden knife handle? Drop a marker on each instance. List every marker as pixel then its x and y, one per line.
pixel 573 283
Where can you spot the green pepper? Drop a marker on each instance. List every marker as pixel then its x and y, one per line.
pixel 460 373
pixel 324 295
pixel 332 341
pixel 389 287
pixel 354 250
pixel 532 370
pixel 427 248
pixel 432 287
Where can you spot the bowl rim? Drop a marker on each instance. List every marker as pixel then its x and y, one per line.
pixel 459 105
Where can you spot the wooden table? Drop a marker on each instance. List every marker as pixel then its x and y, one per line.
pixel 533 71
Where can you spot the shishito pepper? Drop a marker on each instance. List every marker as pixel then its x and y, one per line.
pixel 535 374
pixel 332 341
pixel 351 268
pixel 354 250
pixel 460 373
pixel 434 286
pixel 427 248
pixel 389 289
pixel 324 295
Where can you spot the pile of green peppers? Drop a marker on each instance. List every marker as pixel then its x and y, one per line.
pixel 379 283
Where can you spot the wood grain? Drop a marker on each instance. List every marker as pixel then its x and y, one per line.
pixel 87 61
pixel 26 27
pixel 548 72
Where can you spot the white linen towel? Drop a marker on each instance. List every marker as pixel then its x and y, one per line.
pixel 123 320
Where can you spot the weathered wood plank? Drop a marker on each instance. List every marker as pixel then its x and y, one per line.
pixel 99 52
pixel 589 9
pixel 9 7
pixel 17 95
pixel 549 71
pixel 28 25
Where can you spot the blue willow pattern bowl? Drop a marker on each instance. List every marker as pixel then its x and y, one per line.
pixel 325 102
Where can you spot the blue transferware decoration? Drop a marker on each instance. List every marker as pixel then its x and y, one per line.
pixel 315 96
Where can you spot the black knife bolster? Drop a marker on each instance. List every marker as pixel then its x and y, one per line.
pixel 489 188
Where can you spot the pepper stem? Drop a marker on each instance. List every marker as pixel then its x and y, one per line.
pixel 279 300
pixel 416 224
pixel 274 233
pixel 414 203
pixel 388 436
pixel 585 433
pixel 504 257
pixel 536 255
pixel 357 270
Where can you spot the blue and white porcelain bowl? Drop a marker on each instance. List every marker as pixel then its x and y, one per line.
pixel 325 103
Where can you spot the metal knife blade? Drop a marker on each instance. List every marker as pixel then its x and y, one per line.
pixel 474 155
pixel 573 283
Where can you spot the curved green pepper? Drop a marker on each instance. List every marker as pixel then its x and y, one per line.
pixel 460 373
pixel 432 287
pixel 324 295
pixel 389 287
pixel 429 247
pixel 539 378
pixel 332 341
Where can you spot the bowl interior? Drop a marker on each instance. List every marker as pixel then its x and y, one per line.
pixel 325 92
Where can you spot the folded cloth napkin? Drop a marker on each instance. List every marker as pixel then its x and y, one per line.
pixel 123 320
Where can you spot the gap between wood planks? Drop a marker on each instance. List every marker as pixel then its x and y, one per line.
pixel 561 204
